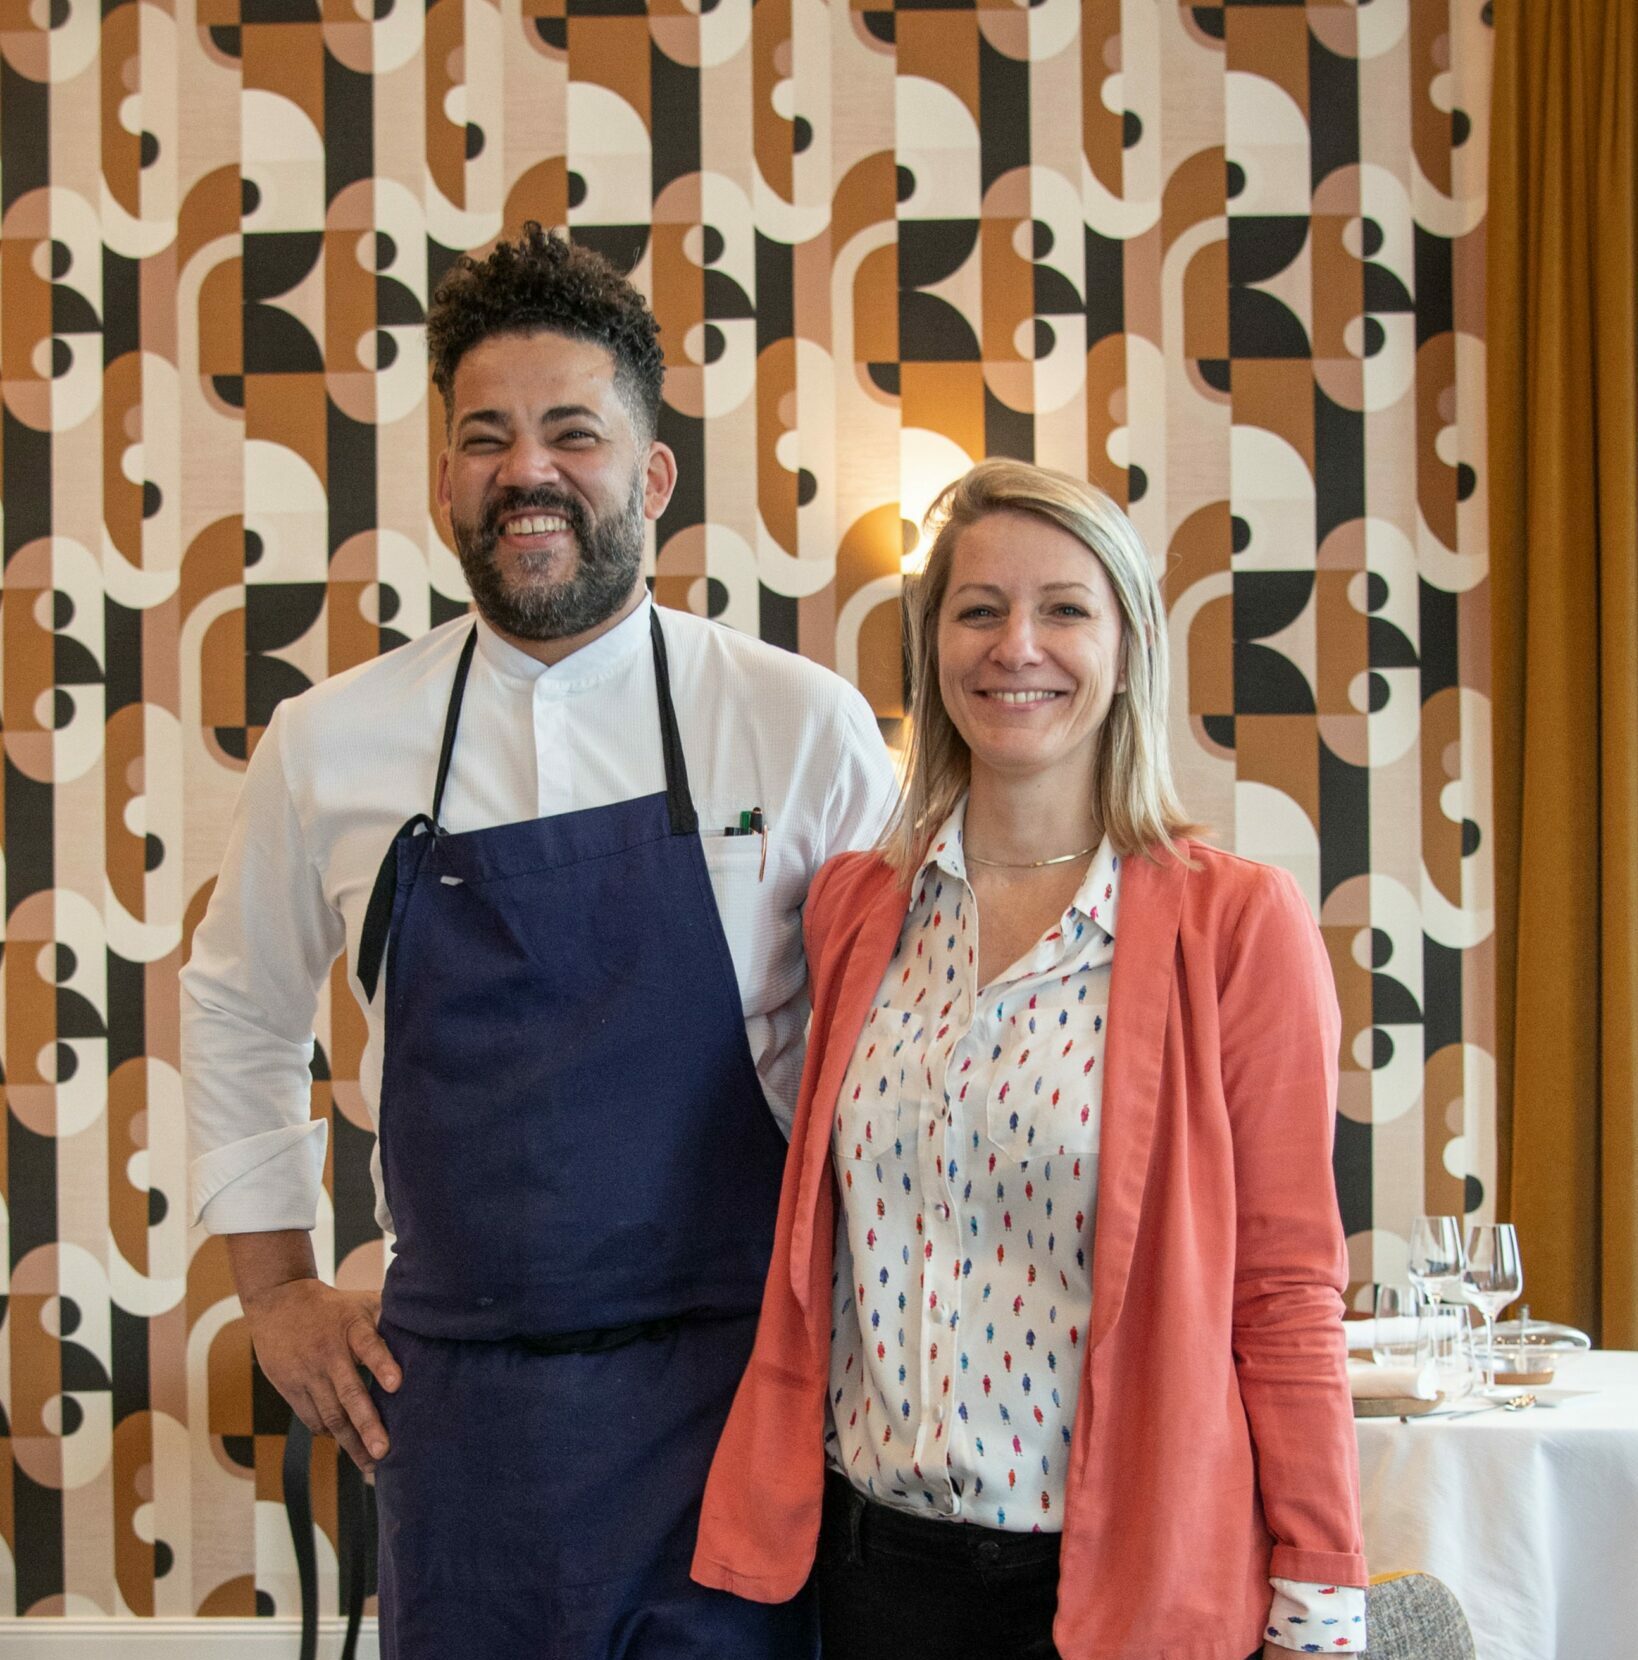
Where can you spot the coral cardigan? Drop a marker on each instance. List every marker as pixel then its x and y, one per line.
pixel 1214 1441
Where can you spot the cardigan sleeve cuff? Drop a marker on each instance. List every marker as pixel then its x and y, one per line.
pixel 1317 1567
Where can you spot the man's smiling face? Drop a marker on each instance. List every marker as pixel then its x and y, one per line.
pixel 546 485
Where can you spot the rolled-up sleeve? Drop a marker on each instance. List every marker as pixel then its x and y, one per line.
pixel 260 957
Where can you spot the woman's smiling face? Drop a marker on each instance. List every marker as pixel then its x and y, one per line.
pixel 1030 648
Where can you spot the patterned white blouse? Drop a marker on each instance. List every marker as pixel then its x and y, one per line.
pixel 966 1150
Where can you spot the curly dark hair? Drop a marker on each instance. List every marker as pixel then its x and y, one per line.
pixel 543 281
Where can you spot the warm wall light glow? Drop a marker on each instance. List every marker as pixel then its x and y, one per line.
pixel 927 462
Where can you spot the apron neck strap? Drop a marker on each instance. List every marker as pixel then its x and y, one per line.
pixel 678 801
pixel 452 720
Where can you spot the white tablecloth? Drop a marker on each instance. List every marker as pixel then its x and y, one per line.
pixel 1530 1517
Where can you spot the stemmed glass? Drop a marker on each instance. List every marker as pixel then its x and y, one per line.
pixel 1493 1277
pixel 1436 1260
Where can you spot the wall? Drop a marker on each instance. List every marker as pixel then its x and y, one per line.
pixel 1223 259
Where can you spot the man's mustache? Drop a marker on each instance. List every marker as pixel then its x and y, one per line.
pixel 544 499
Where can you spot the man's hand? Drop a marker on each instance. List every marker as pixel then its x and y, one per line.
pixel 311 1339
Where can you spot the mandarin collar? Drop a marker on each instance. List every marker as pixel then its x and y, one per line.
pixel 1097 898
pixel 596 661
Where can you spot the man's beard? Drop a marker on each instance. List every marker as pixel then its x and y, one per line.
pixel 527 604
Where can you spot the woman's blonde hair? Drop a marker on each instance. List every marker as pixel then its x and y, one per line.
pixel 1136 800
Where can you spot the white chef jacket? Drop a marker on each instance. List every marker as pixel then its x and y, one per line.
pixel 342 766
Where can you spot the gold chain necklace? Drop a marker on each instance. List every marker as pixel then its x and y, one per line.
pixel 1030 864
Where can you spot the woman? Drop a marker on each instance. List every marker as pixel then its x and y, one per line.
pixel 1080 1385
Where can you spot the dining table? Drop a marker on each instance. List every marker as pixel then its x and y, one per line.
pixel 1529 1515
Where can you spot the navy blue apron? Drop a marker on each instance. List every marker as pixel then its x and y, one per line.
pixel 583 1175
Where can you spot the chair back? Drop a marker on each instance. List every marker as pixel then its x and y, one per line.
pixel 1415 1617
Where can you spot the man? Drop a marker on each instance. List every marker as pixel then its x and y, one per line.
pixel 578 836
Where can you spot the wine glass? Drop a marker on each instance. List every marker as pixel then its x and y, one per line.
pixel 1494 1276
pixel 1436 1260
pixel 1402 1333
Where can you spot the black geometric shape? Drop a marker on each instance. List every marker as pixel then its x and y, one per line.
pixel 1137 484
pixel 277 614
pixel 1339 465
pixel 1262 326
pixel 1265 602
pixel 775 296
pixel 621 245
pixel 884 377
pixel 66 963
pixel 724 298
pixel 1345 820
pixel 1441 995
pixel 931 250
pixel 1234 181
pixel 1472 1187
pixel 268 682
pixel 554 32
pixel 225 37
pixel 1467 481
pixel 1381 947
pixel 1040 239
pixel 1216 372
pixel 1375 337
pixel 395 305
pixel 1351 1168
pixel 147 150
pixel 77 1016
pixel 1333 87
pixel 712 245
pixel 1220 729
pixel 801 135
pixel 241 1450
pixel 1471 837
pixel 276 261
pixel 250 197
pixel 1044 339
pixel 1239 534
pixel 159 1207
pixel 474 141
pixel 82 1369
pixel 232 740
pixel 1382 290
pixel 1461 128
pixel 62 609
pixel 1263 245
pixel 68 1316
pixel 71 312
pixel 278 344
pixel 153 498
pixel 1266 682
pixel 1376 693
pixel 1131 128
pixel 1386 646
pixel 279 11
pixel 716 597
pixel 933 331
pixel 1437 637
pixel 1105 286
pixel 386 349
pixel 713 343
pixel 1007 431
pixel 153 852
pixel 62 357
pixel 386 602
pixel 253 549
pixel 1055 294
pixel 1392 1004
pixel 807 488
pixel 1209 20
pixel 230 389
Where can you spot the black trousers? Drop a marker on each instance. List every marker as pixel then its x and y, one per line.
pixel 895 1586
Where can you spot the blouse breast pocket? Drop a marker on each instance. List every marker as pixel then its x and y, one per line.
pixel 1046 1083
pixel 878 1093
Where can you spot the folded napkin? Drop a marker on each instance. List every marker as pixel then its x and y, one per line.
pixel 1369 1382
pixel 1362 1334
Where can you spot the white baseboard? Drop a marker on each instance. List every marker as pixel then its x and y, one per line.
pixel 275 1638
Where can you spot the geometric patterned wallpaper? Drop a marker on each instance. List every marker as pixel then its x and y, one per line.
pixel 1223 259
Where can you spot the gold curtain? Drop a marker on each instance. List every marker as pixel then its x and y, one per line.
pixel 1562 332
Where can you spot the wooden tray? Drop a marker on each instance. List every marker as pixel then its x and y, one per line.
pixel 1395 1406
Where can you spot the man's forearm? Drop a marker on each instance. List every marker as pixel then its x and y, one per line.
pixel 263 1261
